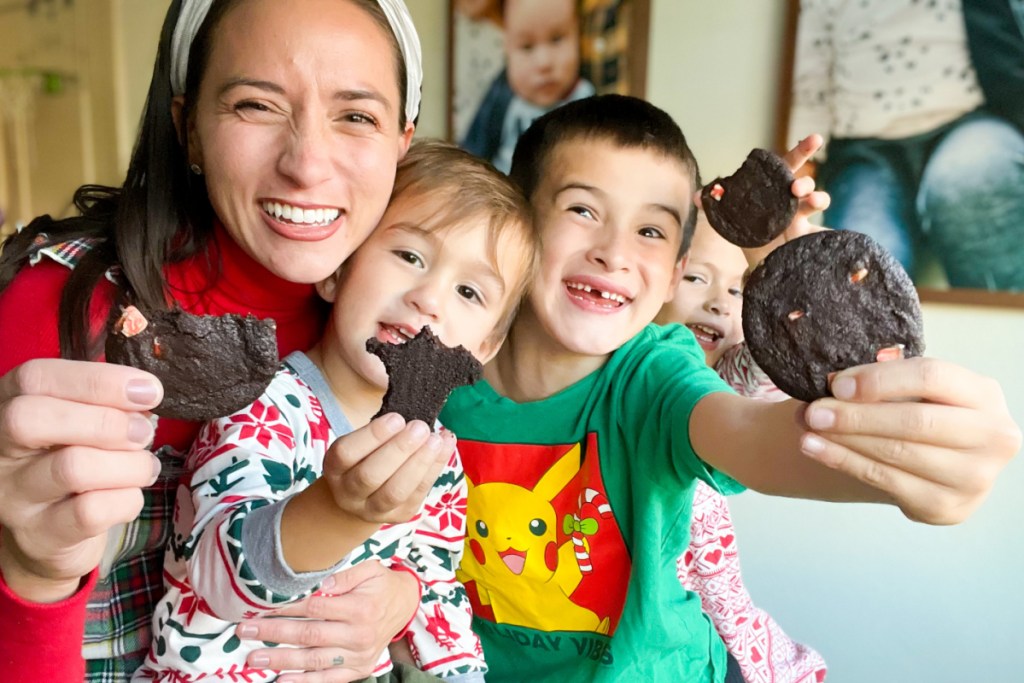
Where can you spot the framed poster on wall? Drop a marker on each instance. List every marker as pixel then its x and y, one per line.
pixel 512 60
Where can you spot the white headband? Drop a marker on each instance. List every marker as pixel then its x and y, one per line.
pixel 193 12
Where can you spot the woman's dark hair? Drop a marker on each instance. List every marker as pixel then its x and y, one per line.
pixel 161 214
pixel 158 216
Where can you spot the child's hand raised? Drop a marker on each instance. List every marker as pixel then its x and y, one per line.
pixel 383 472
pixel 930 434
pixel 811 201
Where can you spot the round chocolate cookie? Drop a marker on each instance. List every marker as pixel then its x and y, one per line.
pixel 754 205
pixel 209 365
pixel 826 302
pixel 421 374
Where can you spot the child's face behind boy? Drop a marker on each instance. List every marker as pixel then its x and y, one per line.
pixel 411 273
pixel 709 298
pixel 542 48
pixel 611 225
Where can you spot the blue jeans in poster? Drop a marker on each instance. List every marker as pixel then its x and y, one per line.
pixel 957 191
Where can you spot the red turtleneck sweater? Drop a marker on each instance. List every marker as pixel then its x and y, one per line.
pixel 44 642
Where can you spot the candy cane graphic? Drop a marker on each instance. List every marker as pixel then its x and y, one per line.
pixel 592 495
pixel 578 528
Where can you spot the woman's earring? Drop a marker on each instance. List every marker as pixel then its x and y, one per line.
pixel 195 168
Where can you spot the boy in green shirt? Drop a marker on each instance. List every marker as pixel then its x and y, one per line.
pixel 586 438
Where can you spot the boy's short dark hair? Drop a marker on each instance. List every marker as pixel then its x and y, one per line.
pixel 625 121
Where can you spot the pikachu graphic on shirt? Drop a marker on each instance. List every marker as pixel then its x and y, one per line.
pixel 513 556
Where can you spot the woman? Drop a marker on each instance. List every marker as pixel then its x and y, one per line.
pixel 254 105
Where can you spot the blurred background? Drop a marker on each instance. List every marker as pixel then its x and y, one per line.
pixel 881 598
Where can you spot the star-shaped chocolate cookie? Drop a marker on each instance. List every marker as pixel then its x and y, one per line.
pixel 421 374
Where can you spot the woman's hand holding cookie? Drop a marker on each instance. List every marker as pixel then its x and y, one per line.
pixel 930 434
pixel 383 472
pixel 73 464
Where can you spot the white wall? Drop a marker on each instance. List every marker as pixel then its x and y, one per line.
pixel 137 32
pixel 431 17
pixel 884 599
pixel 714 66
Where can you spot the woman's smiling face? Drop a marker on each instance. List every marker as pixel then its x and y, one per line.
pixel 297 131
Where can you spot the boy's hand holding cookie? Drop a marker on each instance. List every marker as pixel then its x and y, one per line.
pixel 930 434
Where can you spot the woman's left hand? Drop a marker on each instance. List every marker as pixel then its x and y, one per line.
pixel 340 636
pixel 930 434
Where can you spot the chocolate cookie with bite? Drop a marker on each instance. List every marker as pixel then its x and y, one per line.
pixel 755 204
pixel 209 365
pixel 825 302
pixel 421 374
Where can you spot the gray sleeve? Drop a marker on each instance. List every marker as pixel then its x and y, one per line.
pixel 261 544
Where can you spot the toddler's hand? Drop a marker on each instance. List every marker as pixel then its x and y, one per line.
pixel 383 472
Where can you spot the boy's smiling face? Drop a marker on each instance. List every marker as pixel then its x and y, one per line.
pixel 610 220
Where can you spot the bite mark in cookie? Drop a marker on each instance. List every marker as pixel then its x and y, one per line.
pixel 210 366
pixel 421 373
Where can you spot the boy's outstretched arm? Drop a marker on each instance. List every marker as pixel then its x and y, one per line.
pixel 926 435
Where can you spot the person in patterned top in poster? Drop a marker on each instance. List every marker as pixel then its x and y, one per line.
pixel 921 105
pixel 268 515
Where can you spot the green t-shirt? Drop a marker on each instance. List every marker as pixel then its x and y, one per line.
pixel 579 505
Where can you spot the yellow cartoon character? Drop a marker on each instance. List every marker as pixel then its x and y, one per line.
pixel 513 556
